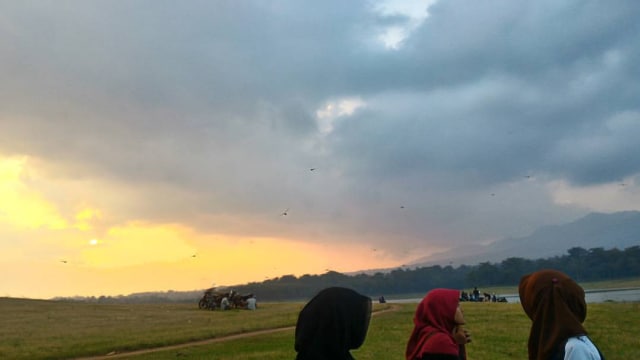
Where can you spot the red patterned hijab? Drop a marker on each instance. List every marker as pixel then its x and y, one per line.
pixel 556 305
pixel 433 325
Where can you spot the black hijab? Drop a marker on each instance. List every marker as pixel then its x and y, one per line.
pixel 332 323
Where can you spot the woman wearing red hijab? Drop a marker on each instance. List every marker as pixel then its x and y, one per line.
pixel 557 308
pixel 438 333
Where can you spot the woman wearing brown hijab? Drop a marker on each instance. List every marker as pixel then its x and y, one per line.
pixel 332 323
pixel 557 308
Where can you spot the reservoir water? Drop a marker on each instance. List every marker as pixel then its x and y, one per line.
pixel 592 296
pixel 599 296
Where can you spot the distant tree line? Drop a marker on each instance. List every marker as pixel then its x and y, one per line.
pixel 583 265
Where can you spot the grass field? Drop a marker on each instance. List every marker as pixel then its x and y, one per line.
pixel 499 332
pixel 38 329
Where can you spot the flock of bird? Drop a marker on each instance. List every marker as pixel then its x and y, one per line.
pixel 285 212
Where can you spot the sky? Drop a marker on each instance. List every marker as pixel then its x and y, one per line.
pixel 157 145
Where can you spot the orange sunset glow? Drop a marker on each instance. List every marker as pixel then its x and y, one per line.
pixel 157 256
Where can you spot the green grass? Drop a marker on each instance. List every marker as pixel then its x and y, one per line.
pixel 36 329
pixel 499 331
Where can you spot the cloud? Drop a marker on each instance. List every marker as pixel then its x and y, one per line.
pixel 212 115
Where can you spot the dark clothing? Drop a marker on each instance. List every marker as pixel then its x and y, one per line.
pixel 440 357
pixel 445 356
pixel 332 323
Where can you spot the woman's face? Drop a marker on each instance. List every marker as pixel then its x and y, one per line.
pixel 460 334
pixel 459 316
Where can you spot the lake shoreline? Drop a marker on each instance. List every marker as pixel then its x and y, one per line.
pixel 626 294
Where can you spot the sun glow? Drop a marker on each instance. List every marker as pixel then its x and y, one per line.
pixel 21 206
pixel 83 251
pixel 138 243
pixel 85 218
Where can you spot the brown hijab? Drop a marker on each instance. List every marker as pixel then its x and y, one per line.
pixel 556 305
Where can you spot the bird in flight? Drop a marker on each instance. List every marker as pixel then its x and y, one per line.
pixel 312 169
pixel 63 261
pixel 284 213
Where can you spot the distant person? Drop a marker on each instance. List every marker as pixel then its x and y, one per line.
pixel 476 294
pixel 251 303
pixel 438 332
pixel 224 303
pixel 331 324
pixel 382 300
pixel 557 308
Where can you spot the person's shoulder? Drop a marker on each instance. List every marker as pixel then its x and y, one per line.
pixel 581 347
pixel 581 341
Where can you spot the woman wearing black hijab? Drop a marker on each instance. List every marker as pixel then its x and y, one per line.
pixel 332 323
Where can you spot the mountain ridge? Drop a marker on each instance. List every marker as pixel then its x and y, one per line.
pixel 606 230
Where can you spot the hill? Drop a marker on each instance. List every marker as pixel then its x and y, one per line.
pixel 615 230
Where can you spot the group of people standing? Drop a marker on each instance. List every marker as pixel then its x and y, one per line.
pixel 249 303
pixel 475 295
pixel 336 321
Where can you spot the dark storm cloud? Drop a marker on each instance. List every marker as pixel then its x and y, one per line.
pixel 540 77
pixel 219 101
